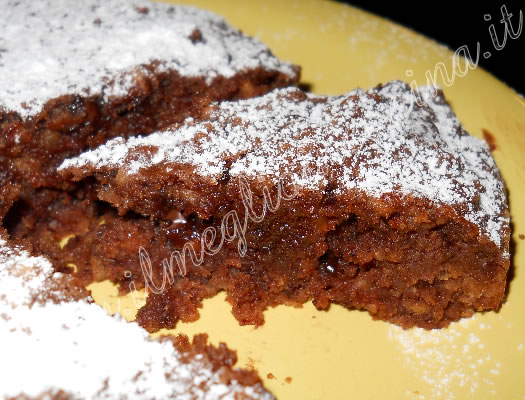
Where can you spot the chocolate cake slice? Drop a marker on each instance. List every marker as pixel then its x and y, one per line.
pixel 73 74
pixel 370 200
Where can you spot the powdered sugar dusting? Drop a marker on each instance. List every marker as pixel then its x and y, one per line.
pixel 379 141
pixel 22 278
pixel 76 347
pixel 49 48
pixel 450 361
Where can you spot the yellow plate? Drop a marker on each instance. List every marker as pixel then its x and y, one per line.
pixel 343 354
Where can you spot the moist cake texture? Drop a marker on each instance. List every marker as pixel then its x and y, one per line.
pixel 73 75
pixel 46 316
pixel 368 200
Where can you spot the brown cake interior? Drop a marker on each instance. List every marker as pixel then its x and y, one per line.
pixel 405 261
pixel 412 259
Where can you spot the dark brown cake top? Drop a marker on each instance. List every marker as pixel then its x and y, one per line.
pixel 50 48
pixel 378 141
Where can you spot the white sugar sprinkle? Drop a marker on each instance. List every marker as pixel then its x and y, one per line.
pixel 76 347
pixel 433 357
pixel 49 48
pixel 373 139
pixel 22 277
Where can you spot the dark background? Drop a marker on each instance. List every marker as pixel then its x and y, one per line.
pixel 455 26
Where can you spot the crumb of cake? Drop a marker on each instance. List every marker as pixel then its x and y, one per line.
pixel 196 36
pixel 142 10
pixel 521 236
pixel 250 365
pixel 288 379
pixel 490 139
pixel 269 375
